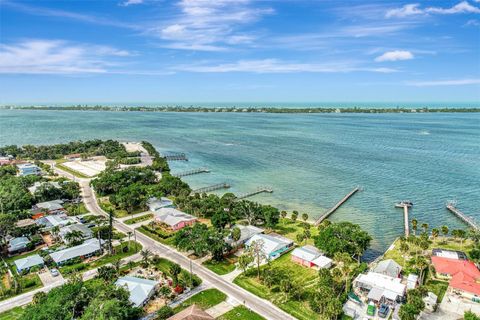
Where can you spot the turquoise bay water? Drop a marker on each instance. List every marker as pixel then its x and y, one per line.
pixel 311 161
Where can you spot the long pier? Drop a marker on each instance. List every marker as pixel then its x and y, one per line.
pixel 214 187
pixel 335 207
pixel 452 208
pixel 257 191
pixel 175 157
pixel 190 172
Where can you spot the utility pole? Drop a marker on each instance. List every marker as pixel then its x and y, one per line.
pixel 191 282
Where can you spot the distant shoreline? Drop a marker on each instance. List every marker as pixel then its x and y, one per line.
pixel 246 110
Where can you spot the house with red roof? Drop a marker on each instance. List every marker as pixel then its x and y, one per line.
pixel 464 276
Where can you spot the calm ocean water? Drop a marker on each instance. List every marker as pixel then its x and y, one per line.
pixel 311 161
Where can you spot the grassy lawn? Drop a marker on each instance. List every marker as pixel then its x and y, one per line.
pixel 222 267
pixel 204 299
pixel 28 283
pixel 164 265
pixel 12 314
pixel 301 275
pixel 449 243
pixel 438 287
pixel 105 204
pixel 156 236
pixel 139 219
pixel 240 313
pixel 134 248
pixel 76 209
pixel 290 229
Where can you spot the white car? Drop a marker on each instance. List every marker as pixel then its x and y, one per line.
pixel 54 272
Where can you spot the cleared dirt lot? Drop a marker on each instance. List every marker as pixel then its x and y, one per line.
pixel 89 168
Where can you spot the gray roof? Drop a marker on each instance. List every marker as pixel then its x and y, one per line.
pixel 88 247
pixel 155 204
pixel 271 242
pixel 171 216
pixel 307 253
pixel 246 232
pixel 18 243
pixel 55 220
pixel 87 233
pixel 28 262
pixel 388 267
pixel 50 205
pixel 38 184
pixel 140 289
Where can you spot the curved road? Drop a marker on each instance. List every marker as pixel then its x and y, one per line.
pixel 261 306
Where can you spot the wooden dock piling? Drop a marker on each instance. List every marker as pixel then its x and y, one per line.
pixel 468 220
pixel 336 206
pixel 190 172
pixel 214 187
pixel 257 191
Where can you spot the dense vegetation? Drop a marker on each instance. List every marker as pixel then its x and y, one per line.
pixel 250 109
pixel 109 148
pixel 159 163
pixel 92 300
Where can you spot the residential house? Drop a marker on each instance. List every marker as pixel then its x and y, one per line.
pixel 29 262
pixel 274 245
pixel 388 267
pixel 430 301
pixel 155 204
pixel 311 257
pixel 6 160
pixel 25 223
pixel 58 220
pixel 246 232
pixel 464 276
pixel 26 169
pixel 18 244
pixel 451 254
pixel 173 218
pixel 193 312
pixel 38 184
pixel 140 289
pixel 50 207
pixel 87 249
pixel 73 156
pixel 412 281
pixel 86 232
pixel 322 262
pixel 380 288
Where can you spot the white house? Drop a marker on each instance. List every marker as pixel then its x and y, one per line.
pixel 380 288
pixel 311 257
pixel 85 250
pixel 38 184
pixel 273 245
pixel 52 221
pixel 86 232
pixel 246 232
pixel 155 204
pixel 173 218
pixel 140 289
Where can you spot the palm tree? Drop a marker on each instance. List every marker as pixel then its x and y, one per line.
pixel 294 216
pixel 175 270
pixel 421 264
pixel 74 236
pixel 306 234
pixel 110 230
pixel 404 247
pixel 145 256
pixel 129 234
pixel 345 267
pixel 305 217
pixel 283 214
pixel 444 231
pixel 414 226
pixel 435 233
pixel 55 231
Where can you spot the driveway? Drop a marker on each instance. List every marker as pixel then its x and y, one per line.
pixel 48 279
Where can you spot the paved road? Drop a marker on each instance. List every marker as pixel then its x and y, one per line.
pixel 263 307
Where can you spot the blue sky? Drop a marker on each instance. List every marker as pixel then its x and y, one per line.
pixel 239 51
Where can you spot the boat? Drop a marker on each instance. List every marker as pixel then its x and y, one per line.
pixel 404 203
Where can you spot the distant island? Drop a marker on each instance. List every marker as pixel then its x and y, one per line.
pixel 244 109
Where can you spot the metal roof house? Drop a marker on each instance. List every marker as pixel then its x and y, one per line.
pixel 140 289
pixel 52 221
pixel 38 184
pixel 381 288
pixel 273 245
pixel 18 244
pixel 193 312
pixel 311 257
pixel 29 262
pixel 173 218
pixel 388 267
pixel 246 232
pixel 26 169
pixel 87 233
pixel 53 206
pixel 155 204
pixel 85 250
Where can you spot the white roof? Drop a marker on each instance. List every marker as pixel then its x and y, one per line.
pixel 26 165
pixel 155 204
pixel 28 262
pixel 377 280
pixel 270 243
pixel 307 253
pixel 447 254
pixel 140 289
pixel 37 185
pixel 55 220
pixel 172 216
pixel 87 233
pixel 246 232
pixel 88 247
pixel 322 262
pixel 50 205
pixel 412 281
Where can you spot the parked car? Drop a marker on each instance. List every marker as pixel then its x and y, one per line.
pixel 54 272
pixel 383 311
pixel 371 309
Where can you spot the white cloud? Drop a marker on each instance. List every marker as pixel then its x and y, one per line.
pixel 414 9
pixel 395 55
pixel 56 57
pixel 452 82
pixel 405 11
pixel 131 2
pixel 209 25
pixel 279 66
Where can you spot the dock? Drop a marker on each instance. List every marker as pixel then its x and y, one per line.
pixel 214 187
pixel 190 172
pixel 336 206
pixel 175 157
pixel 451 206
pixel 257 191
